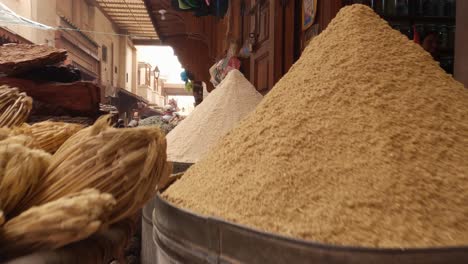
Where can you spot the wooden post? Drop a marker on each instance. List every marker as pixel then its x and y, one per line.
pixel 461 43
pixel 198 92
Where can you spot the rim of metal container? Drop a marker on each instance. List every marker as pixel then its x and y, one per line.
pixel 179 167
pixel 201 239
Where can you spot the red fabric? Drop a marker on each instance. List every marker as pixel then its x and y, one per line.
pixel 233 63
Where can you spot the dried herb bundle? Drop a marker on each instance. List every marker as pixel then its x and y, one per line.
pixel 20 171
pixel 14 106
pixel 127 163
pixel 48 135
pixel 56 223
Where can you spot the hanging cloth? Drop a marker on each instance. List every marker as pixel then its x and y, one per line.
pixel 175 5
pixel 183 5
pixel 203 10
pixel 221 8
pixel 192 3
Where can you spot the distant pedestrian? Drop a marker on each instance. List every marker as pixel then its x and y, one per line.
pixel 133 123
pixel 119 124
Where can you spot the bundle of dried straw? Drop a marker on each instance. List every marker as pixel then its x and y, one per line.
pixel 127 163
pixel 49 135
pixel 14 106
pixel 55 224
pixel 20 171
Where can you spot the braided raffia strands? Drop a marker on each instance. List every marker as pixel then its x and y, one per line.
pixel 57 223
pixel 127 163
pixel 20 171
pixel 22 135
pixel 4 133
pixel 21 139
pixel 49 135
pixel 103 123
pixel 14 106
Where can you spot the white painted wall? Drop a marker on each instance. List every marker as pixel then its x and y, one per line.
pixel 128 68
pixel 102 24
pixel 42 11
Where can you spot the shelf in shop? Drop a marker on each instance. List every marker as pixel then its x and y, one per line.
pixel 421 19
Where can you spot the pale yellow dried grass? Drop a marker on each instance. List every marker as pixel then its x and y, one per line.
pixel 4 133
pixel 127 163
pixel 57 223
pixel 23 140
pixel 20 171
pixel 14 106
pixel 49 135
pixel 100 125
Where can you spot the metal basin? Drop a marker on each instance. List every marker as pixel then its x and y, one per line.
pixel 181 236
pixel 148 251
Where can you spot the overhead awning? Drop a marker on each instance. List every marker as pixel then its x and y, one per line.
pixel 131 95
pixel 132 17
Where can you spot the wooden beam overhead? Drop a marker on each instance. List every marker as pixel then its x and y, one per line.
pixel 147 42
pixel 131 16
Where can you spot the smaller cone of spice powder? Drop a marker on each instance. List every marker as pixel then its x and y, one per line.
pixel 226 106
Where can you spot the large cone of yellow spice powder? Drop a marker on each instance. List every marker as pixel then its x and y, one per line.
pixel 364 142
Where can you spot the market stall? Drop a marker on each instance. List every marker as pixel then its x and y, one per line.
pixel 334 132
pixel 357 155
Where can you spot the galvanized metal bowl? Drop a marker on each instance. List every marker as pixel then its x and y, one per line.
pixel 148 251
pixel 181 236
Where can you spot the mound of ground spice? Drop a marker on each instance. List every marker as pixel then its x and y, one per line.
pixel 223 109
pixel 364 142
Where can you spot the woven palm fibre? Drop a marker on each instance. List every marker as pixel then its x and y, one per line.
pixel 126 163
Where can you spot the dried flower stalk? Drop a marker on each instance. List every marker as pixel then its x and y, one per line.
pixel 20 171
pixel 57 223
pixel 127 163
pixel 14 106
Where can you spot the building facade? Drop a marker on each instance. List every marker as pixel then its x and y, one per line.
pixel 150 85
pixel 102 51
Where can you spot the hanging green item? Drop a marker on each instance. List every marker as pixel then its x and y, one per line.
pixel 201 8
pixel 189 86
pixel 175 4
pixel 183 5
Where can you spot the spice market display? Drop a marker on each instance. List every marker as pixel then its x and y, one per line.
pixel 377 158
pixel 314 131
